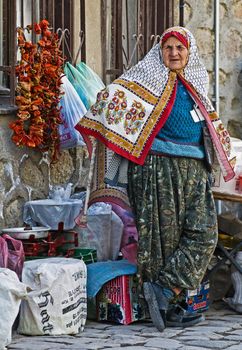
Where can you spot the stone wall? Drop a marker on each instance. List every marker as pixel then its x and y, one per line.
pixel 199 18
pixel 28 174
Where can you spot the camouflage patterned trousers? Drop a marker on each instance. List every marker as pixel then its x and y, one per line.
pixel 176 219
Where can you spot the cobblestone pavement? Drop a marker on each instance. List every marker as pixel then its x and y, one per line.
pixel 222 329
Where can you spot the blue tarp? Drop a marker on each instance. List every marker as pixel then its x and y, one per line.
pixel 100 273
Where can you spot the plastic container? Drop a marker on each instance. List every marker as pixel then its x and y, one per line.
pixel 88 255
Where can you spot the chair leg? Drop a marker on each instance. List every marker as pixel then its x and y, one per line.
pixel 229 255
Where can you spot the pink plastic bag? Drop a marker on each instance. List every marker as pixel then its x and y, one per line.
pixel 15 254
pixel 3 252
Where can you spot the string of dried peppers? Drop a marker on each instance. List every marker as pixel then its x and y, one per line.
pixel 38 90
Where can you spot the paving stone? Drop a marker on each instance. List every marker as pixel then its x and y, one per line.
pixel 195 348
pixel 121 331
pixel 97 325
pixel 68 341
pixel 187 338
pixel 73 348
pixel 139 327
pixel 167 333
pixel 29 346
pixel 233 337
pixel 205 334
pixel 148 334
pixel 90 346
pixel 41 338
pixel 222 323
pixel 217 344
pixel 93 346
pixel 130 348
pixel 205 329
pixel 164 344
pixel 235 347
pixel 89 334
pixel 229 318
pixel 237 331
pixel 127 337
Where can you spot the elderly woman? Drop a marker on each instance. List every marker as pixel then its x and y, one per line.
pixel 156 119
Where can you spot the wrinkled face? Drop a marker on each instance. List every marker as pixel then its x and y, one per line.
pixel 175 54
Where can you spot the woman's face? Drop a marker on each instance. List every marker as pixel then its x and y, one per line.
pixel 175 54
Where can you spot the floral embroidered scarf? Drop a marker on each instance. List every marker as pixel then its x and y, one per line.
pixel 129 112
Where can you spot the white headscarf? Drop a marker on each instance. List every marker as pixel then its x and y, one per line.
pixel 152 73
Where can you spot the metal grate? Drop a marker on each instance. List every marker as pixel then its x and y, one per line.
pixel 130 28
pixel 59 13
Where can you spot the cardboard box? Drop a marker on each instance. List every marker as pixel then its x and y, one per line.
pixel 197 300
pixel 118 301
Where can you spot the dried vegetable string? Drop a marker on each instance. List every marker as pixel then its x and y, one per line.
pixel 38 90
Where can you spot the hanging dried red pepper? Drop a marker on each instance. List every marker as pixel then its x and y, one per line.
pixel 38 90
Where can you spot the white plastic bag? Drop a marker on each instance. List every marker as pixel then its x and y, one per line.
pixel 72 111
pixel 11 293
pixel 57 303
pixel 104 231
pixel 235 302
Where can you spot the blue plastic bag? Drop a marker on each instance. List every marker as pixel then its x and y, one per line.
pixel 85 81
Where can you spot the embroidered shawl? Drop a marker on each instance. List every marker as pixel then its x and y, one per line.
pixel 129 112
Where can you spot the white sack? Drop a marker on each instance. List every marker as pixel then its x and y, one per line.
pixel 11 293
pixel 57 303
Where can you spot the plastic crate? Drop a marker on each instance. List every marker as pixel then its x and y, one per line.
pixel 88 255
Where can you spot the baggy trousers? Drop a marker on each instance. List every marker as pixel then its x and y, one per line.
pixel 176 219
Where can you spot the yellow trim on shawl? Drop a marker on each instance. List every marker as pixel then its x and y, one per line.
pixel 111 136
pixel 138 90
pixel 100 165
pixel 232 162
pixel 213 116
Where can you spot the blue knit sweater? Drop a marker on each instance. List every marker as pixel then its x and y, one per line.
pixel 180 135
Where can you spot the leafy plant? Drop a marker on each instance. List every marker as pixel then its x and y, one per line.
pixel 38 90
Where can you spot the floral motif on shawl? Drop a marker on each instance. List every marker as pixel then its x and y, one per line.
pixel 129 112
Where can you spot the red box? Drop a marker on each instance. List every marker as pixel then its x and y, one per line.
pixel 118 301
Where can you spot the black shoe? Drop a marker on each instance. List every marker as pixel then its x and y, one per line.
pixel 157 315
pixel 176 316
pixel 162 300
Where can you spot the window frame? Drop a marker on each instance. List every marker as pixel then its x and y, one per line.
pixel 61 15
pixel 7 97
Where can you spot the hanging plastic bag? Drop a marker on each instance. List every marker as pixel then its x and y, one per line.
pixel 85 81
pixel 92 82
pixel 11 254
pixel 72 111
pixel 15 254
pixel 75 79
pixel 3 252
